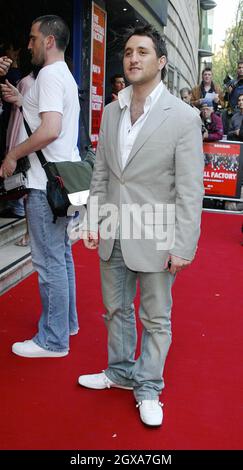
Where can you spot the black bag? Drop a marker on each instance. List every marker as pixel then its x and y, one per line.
pixel 14 187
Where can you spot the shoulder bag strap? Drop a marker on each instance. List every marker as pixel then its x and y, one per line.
pixel 39 153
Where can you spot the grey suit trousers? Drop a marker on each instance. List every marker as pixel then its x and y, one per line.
pixel 119 285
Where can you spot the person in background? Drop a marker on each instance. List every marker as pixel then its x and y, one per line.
pixel 212 125
pixel 29 72
pixel 235 87
pixel 149 153
pixel 117 84
pixel 186 96
pixel 236 121
pixel 207 92
pixel 236 133
pixel 11 49
pixel 5 63
pixel 51 108
pixel 241 132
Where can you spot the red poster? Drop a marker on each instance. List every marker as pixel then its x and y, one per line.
pixel 97 88
pixel 222 169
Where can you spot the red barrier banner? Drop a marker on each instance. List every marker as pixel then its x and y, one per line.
pixel 97 72
pixel 223 169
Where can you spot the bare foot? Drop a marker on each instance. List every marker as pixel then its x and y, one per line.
pixel 24 241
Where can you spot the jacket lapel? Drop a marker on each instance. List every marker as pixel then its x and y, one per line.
pixel 114 126
pixel 158 115
pixel 118 138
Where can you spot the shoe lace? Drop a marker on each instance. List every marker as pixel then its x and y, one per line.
pixel 152 403
pixel 106 380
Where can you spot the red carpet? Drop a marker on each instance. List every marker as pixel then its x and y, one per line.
pixel 42 407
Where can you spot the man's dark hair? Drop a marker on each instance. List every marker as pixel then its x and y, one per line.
pixel 149 31
pixel 207 69
pixel 114 77
pixel 240 61
pixel 54 25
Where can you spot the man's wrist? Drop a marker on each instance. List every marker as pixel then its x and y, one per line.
pixel 12 156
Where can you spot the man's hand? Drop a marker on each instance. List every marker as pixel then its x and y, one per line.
pixel 5 63
pixel 8 166
pixel 11 94
pixel 175 264
pixel 216 98
pixel 91 240
pixel 205 135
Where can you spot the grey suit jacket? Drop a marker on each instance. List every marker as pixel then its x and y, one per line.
pixel 165 166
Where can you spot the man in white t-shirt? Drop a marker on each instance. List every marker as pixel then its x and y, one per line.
pixel 51 108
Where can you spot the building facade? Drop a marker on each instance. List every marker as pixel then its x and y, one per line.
pixel 182 33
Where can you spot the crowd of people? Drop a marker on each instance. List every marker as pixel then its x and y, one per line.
pixel 142 160
pixel 221 112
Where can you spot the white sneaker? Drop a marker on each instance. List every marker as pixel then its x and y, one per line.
pixel 30 349
pixel 99 382
pixel 151 412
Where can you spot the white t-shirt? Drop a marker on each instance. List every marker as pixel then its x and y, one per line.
pixel 53 90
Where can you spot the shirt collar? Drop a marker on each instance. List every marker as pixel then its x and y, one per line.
pixel 125 95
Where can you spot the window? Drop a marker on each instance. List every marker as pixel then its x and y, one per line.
pixel 178 84
pixel 171 79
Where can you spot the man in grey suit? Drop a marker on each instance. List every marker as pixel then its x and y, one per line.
pixel 149 165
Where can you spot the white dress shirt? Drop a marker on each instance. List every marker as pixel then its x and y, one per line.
pixel 129 132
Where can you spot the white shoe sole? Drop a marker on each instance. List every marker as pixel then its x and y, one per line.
pixel 39 354
pixel 91 386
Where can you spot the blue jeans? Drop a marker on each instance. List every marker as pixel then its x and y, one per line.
pixel 119 289
pixel 52 259
pixel 17 207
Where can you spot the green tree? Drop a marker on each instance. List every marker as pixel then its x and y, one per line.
pixel 225 61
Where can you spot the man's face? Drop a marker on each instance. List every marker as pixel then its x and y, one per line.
pixel 206 112
pixel 37 45
pixel 240 102
pixel 185 96
pixel 207 77
pixel 240 70
pixel 140 62
pixel 119 84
